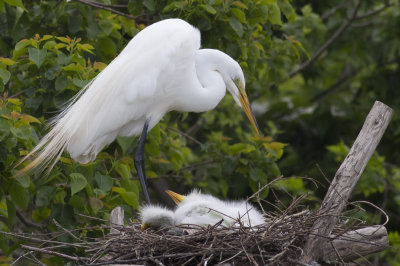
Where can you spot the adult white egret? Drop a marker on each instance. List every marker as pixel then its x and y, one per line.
pixel 203 209
pixel 161 69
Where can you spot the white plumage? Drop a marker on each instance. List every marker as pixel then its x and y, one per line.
pixel 161 69
pixel 203 210
pixel 157 217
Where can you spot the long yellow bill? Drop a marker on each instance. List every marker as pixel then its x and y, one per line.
pixel 244 101
pixel 177 198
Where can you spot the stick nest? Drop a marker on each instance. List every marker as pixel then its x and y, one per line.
pixel 278 241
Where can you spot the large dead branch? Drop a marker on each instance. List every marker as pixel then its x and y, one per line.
pixel 354 244
pixel 345 179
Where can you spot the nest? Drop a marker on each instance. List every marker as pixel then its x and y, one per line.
pixel 278 241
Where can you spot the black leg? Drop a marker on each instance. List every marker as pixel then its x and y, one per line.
pixel 139 161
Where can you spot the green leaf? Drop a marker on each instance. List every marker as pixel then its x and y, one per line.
pixel 4 75
pixel 124 170
pixel 61 83
pixel 239 14
pixel 209 9
pixel 175 6
pixel 76 202
pixel 78 182
pixel 37 55
pixel 44 196
pixel 11 213
pixel 96 204
pixel 22 132
pixel 104 182
pixel 40 215
pixel 125 142
pixel 287 10
pixel 106 26
pixel 20 49
pixel 24 180
pixel 239 4
pixel 4 129
pixel 130 185
pixel 131 198
pixel 241 148
pixel 274 14
pixel 236 26
pixel 150 4
pixel 19 195
pixel 16 3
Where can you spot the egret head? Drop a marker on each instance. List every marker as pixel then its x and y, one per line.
pixel 156 217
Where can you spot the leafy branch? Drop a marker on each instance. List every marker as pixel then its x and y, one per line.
pixel 338 33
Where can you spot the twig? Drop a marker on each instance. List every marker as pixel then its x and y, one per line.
pixel 185 135
pixel 25 221
pixel 42 250
pixel 97 5
pixel 330 41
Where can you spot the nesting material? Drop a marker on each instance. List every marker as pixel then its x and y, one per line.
pixel 277 241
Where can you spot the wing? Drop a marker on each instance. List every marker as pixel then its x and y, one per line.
pixel 132 87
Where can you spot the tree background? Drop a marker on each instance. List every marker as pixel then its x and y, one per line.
pixel 313 71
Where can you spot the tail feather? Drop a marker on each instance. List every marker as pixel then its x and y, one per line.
pixel 50 148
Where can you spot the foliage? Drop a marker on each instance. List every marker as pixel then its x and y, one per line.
pixel 51 49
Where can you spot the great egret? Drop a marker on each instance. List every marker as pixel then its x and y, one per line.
pixel 203 209
pixel 161 69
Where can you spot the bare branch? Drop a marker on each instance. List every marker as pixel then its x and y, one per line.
pixel 105 7
pixel 43 250
pixel 345 179
pixel 338 32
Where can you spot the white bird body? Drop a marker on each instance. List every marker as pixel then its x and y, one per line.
pixel 202 209
pixel 161 69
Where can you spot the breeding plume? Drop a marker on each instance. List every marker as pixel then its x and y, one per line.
pixel 161 69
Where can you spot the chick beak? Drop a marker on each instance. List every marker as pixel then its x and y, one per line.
pixel 144 227
pixel 177 198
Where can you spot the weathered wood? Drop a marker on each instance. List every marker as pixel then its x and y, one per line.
pixel 116 219
pixel 345 179
pixel 354 244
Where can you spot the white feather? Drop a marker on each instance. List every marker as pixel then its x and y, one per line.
pixel 203 209
pixel 156 216
pixel 161 69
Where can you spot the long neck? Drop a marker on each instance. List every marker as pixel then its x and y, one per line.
pixel 208 87
pixel 210 69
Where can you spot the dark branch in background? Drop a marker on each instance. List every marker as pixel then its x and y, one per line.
pixel 333 38
pixel 27 222
pixel 106 7
pixel 338 33
pixel 346 75
pixel 334 9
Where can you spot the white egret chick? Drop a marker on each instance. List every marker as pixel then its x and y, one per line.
pixel 202 209
pixel 156 217
pixel 161 69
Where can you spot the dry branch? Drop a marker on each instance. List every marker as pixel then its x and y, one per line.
pixel 345 179
pixel 353 244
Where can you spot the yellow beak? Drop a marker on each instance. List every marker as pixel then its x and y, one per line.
pixel 177 198
pixel 244 101
pixel 144 227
